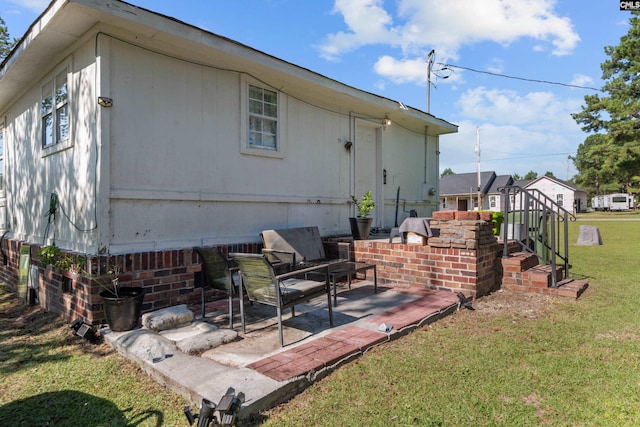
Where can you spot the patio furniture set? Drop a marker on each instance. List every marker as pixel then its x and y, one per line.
pixel 295 266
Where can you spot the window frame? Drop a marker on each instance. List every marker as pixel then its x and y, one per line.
pixel 64 107
pixel 560 199
pixel 280 146
pixel 2 158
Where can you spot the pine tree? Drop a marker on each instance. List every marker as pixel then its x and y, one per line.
pixel 614 117
pixel 6 44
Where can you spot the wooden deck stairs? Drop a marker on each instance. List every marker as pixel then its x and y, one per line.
pixel 522 272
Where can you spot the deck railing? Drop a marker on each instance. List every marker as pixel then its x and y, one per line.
pixel 539 225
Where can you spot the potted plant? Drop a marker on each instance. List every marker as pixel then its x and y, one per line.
pixel 361 224
pixel 122 305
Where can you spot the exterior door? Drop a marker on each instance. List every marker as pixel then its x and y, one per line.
pixel 366 166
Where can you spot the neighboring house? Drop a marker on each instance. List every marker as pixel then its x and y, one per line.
pixel 495 195
pixel 460 191
pixel 565 194
pixel 126 132
pixel 453 188
pixel 157 134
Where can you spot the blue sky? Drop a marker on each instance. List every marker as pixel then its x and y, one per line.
pixel 381 46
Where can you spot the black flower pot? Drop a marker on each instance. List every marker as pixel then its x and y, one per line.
pixel 360 228
pixel 123 311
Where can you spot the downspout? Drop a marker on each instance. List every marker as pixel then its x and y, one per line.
pixel 426 154
pixel 352 166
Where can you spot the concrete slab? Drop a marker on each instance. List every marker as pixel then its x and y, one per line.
pixel 256 365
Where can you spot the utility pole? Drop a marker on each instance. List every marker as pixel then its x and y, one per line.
pixel 477 150
pixel 429 66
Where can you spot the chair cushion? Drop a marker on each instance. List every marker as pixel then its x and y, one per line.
pixel 305 242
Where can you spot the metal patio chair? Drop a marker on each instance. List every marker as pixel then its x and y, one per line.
pixel 264 286
pixel 218 274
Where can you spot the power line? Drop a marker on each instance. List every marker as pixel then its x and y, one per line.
pixel 447 66
pixel 527 156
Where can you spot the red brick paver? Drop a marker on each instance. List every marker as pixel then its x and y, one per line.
pixel 328 351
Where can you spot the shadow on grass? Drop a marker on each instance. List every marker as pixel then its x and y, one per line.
pixel 72 408
pixel 29 335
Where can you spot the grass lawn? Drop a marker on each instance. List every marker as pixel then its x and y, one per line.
pixel 517 360
pixel 50 378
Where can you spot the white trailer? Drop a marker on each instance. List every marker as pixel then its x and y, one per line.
pixel 612 202
pixel 598 203
pixel 620 202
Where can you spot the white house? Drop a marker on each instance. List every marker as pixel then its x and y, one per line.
pixel 460 191
pixel 566 195
pixel 156 134
pixel 127 132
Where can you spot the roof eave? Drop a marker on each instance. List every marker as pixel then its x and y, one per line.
pixel 65 22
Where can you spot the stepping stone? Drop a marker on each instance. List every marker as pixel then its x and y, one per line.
pixel 167 318
pixel 589 236
pixel 206 341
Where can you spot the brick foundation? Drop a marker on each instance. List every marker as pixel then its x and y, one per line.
pixel 168 278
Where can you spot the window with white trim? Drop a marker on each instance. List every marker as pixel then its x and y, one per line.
pixel 263 118
pixel 560 199
pixel 492 201
pixel 54 109
pixel 1 158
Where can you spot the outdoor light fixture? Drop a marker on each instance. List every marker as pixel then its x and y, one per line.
pixel 103 101
pixel 345 141
pixel 85 330
pixel 223 414
pixel 386 122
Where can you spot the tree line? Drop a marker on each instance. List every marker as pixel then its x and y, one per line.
pixel 608 161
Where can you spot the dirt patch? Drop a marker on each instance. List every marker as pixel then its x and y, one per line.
pixel 519 304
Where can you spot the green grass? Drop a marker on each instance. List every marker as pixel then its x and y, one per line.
pixel 48 377
pixel 518 360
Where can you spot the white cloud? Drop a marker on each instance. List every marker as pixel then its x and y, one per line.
pixel 581 80
pixel 507 106
pixel 496 66
pixel 401 71
pixel 446 26
pixel 508 149
pixel 518 133
pixel 368 24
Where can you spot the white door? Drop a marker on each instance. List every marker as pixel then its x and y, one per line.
pixel 366 166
